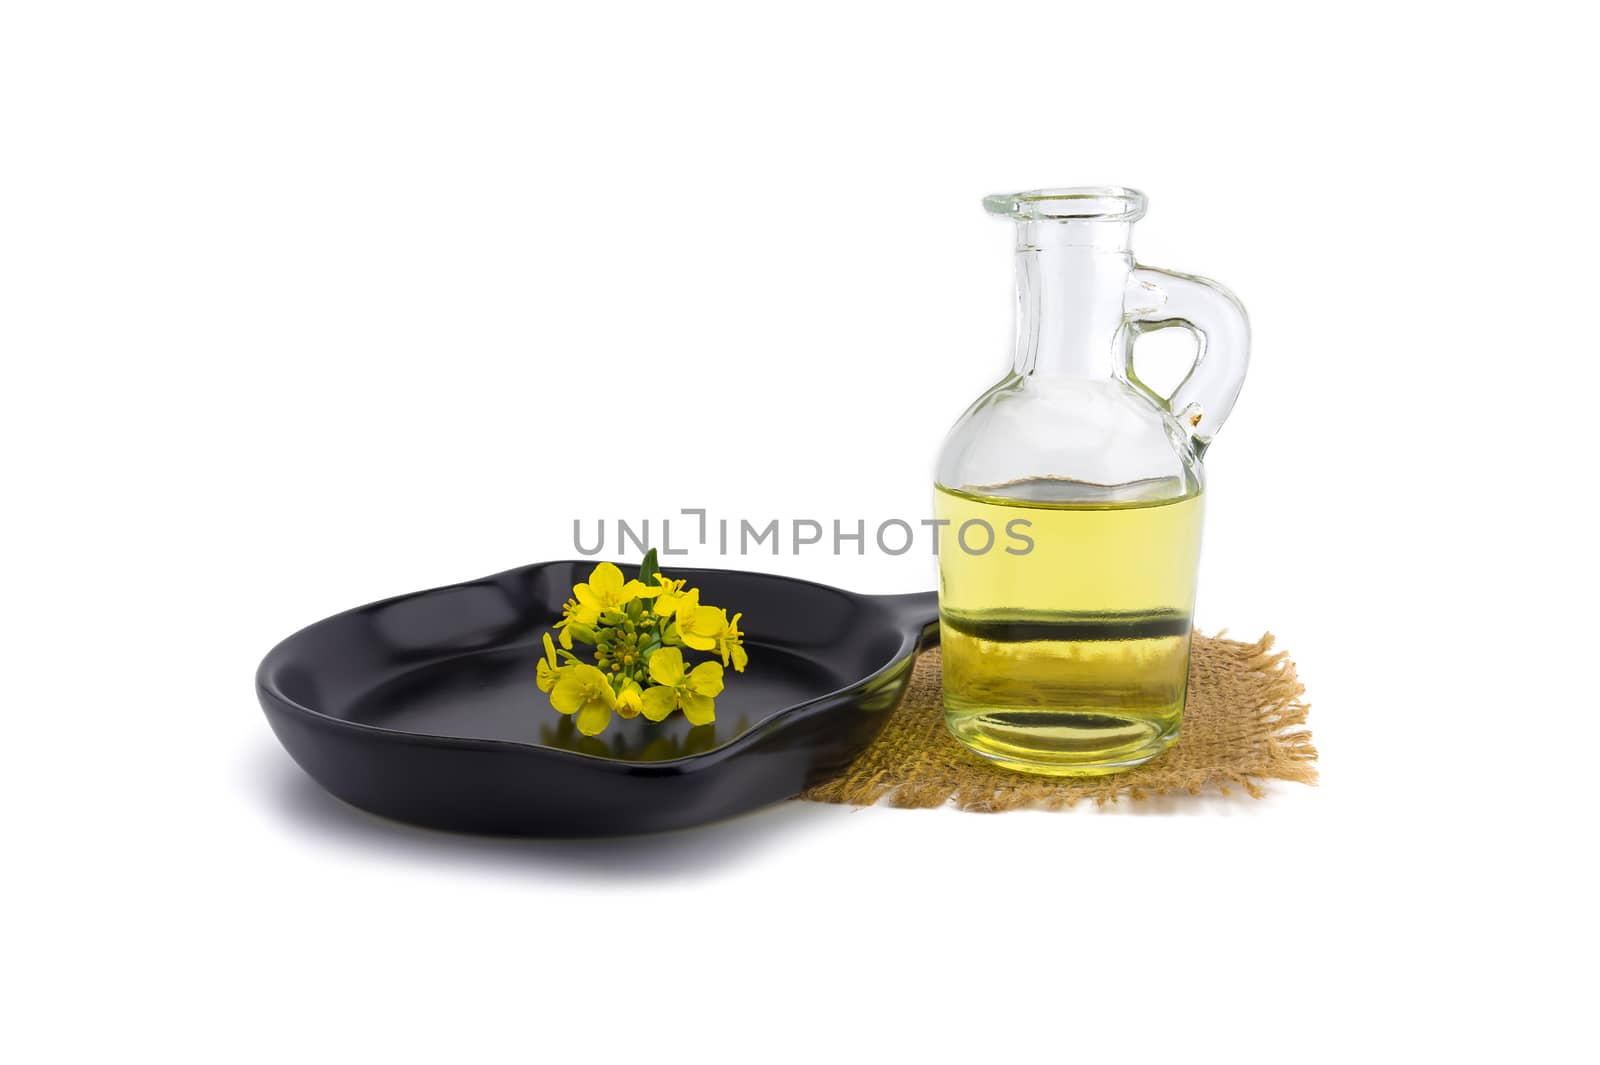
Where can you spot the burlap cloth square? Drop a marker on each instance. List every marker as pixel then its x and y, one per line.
pixel 1243 723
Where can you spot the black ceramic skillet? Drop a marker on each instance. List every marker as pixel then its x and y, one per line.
pixel 423 708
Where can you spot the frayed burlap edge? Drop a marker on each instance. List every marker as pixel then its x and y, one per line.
pixel 1244 723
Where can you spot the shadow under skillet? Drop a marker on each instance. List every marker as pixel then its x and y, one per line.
pixel 681 853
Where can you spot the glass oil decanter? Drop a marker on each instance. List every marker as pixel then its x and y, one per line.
pixel 1070 495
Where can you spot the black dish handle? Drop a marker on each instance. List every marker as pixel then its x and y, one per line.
pixel 916 613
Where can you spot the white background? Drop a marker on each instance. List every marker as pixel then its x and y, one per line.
pixel 303 305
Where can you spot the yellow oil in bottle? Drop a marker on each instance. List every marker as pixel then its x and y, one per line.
pixel 1066 641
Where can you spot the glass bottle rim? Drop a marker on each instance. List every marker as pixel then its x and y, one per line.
pixel 1083 203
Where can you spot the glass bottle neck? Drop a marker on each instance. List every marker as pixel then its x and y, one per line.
pixel 1071 282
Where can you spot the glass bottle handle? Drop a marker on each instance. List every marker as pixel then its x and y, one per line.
pixel 1160 299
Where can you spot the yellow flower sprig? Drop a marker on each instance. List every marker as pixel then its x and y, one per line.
pixel 639 630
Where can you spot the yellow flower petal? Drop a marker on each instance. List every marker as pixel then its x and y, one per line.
pixel 658 703
pixel 580 685
pixel 566 638
pixel 668 596
pixel 568 693
pixel 606 581
pixel 706 679
pixel 730 645
pixel 705 627
pixel 710 621
pixel 699 709
pixel 549 651
pixel 666 667
pixel 546 675
pixel 602 688
pixel 593 718
pixel 685 607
